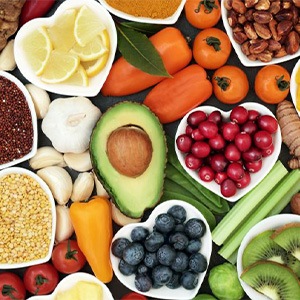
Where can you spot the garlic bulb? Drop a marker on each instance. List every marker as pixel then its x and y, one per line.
pixel 59 182
pixel 119 218
pixel 83 187
pixel 64 226
pixel 7 57
pixel 100 190
pixel 80 162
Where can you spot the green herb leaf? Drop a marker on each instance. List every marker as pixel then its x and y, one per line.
pixel 148 29
pixel 137 49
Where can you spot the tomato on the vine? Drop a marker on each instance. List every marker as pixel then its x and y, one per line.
pixel 11 287
pixel 41 279
pixel 202 14
pixel 272 84
pixel 230 84
pixel 133 296
pixel 211 48
pixel 67 257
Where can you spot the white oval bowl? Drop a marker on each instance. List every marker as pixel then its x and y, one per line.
pixel 164 292
pixel 30 104
pixel 268 162
pixel 44 186
pixel 95 82
pixel 170 20
pixel 294 86
pixel 69 281
pixel 269 223
pixel 237 48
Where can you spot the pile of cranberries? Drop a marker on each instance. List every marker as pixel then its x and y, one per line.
pixel 227 151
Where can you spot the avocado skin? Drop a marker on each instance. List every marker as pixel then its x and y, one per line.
pixel 132 196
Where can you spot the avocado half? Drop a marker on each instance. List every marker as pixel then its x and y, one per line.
pixel 132 192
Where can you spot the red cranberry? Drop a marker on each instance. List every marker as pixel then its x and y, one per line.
pixel 253 114
pixel 197 135
pixel 262 139
pixel 253 166
pixel 245 181
pixel 209 129
pixel 235 171
pixel 196 117
pixel 230 130
pixel 249 127
pixel 184 143
pixel 192 162
pixel 215 117
pixel 217 142
pixel 268 151
pixel 188 130
pixel 220 177
pixel 228 188
pixel 200 149
pixel 243 141
pixel 232 153
pixel 267 123
pixel 206 173
pixel 239 115
pixel 218 162
pixel 252 154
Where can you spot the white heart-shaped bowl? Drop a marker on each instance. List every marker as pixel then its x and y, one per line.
pixel 169 20
pixel 294 86
pixel 45 188
pixel 268 162
pixel 23 89
pixel 242 57
pixel 269 223
pixel 164 292
pixel 69 281
pixel 96 82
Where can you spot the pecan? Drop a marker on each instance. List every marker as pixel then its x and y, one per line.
pixel 232 18
pixel 242 19
pixel 263 5
pixel 249 14
pixel 258 46
pixel 292 42
pixel 280 53
pixel 245 48
pixel 265 56
pixel 262 30
pixel 252 57
pixel 275 7
pixel 295 12
pixel 262 17
pixel 250 31
pixel 238 28
pixel 239 6
pixel 250 3
pixel 274 45
pixel 284 14
pixel 286 4
pixel 240 37
pixel 273 29
pixel 228 4
pixel 297 27
pixel 284 27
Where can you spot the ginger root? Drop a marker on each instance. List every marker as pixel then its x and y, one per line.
pixel 289 123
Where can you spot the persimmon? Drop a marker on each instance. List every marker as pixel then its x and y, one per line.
pixel 272 84
pixel 211 48
pixel 230 84
pixel 202 14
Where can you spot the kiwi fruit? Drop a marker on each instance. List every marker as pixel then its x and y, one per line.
pixel 288 237
pixel 272 279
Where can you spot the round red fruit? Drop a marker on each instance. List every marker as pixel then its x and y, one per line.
pixel 196 117
pixel 230 130
pixel 235 171
pixel 206 173
pixel 253 166
pixel 245 181
pixel 208 129
pixel 184 143
pixel 200 149
pixel 262 139
pixel 239 115
pixel 192 162
pixel 232 153
pixel 228 188
pixel 268 123
pixel 243 141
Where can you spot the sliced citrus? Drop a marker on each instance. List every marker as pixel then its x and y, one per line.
pixel 87 26
pixel 94 67
pixel 297 78
pixel 60 66
pixel 37 48
pixel 62 32
pixel 78 78
pixel 105 38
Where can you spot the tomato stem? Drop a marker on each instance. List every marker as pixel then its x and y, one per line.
pixel 7 291
pixel 209 5
pixel 281 83
pixel 70 253
pixel 39 280
pixel 223 82
pixel 213 41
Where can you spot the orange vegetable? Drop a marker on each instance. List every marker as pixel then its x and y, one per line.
pixel 124 79
pixel 173 97
pixel 92 223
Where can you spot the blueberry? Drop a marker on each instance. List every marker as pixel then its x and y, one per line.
pixel 162 274
pixel 134 253
pixel 197 263
pixel 179 240
pixel 181 262
pixel 178 213
pixel 142 269
pixel 189 280
pixel 155 285
pixel 174 283
pixel 194 228
pixel 118 246
pixel 125 268
pixel 153 241
pixel 164 223
pixel 194 246
pixel 179 228
pixel 142 282
pixel 139 234
pixel 150 260
pixel 166 255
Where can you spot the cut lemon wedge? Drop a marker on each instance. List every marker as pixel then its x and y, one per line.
pixel 78 78
pixel 94 67
pixel 87 26
pixel 297 78
pixel 60 66
pixel 37 48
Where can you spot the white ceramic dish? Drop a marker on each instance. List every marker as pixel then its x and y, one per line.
pixel 266 224
pixel 268 162
pixel 164 292
pixel 294 85
pixel 23 89
pixel 170 20
pixel 69 281
pixel 96 82
pixel 242 57
pixel 44 186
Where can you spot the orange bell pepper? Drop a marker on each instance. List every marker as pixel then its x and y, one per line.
pixel 92 223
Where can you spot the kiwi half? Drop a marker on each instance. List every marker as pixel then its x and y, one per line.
pixel 273 280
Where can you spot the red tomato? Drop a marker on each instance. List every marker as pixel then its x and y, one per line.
pixel 41 279
pixel 133 296
pixel 67 257
pixel 11 287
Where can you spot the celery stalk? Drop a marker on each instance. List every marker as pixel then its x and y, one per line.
pixel 272 204
pixel 244 207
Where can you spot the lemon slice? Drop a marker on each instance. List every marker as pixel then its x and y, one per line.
pixel 297 78
pixel 62 32
pixel 60 66
pixel 94 67
pixel 87 26
pixel 37 48
pixel 78 78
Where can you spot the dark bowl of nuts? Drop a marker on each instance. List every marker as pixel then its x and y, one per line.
pixel 263 32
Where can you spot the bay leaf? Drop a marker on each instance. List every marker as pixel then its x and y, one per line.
pixel 145 28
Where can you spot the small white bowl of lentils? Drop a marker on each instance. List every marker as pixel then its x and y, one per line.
pixel 28 219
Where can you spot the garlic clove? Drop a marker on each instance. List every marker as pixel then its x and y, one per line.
pixel 83 187
pixel 119 218
pixel 64 226
pixel 40 98
pixel 59 182
pixel 80 162
pixel 100 190
pixel 7 57
pixel 45 157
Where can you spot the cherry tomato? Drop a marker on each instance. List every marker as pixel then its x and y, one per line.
pixel 133 296
pixel 11 287
pixel 211 48
pixel 41 279
pixel 230 84
pixel 202 14
pixel 272 84
pixel 67 257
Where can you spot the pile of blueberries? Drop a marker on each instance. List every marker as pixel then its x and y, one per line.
pixel 167 256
